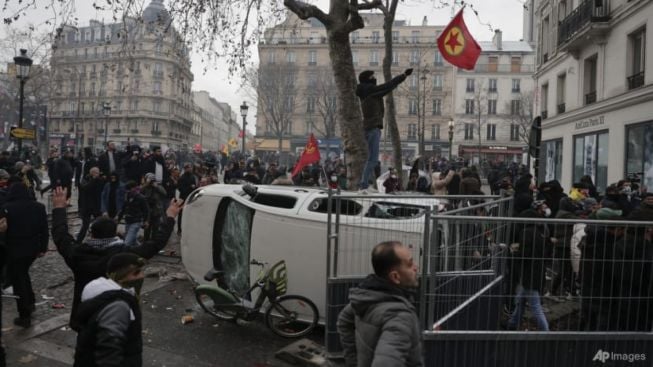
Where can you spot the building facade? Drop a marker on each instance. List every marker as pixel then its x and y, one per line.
pixel 127 82
pixel 494 102
pixel 296 95
pixel 595 90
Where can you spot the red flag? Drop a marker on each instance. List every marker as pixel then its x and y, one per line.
pixel 310 155
pixel 457 45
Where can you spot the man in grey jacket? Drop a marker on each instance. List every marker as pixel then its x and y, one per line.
pixel 379 327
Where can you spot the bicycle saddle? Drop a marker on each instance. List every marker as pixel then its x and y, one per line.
pixel 212 274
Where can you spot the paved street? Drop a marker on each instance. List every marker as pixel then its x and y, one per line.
pixel 167 342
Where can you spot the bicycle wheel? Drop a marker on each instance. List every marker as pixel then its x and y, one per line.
pixel 227 312
pixel 291 316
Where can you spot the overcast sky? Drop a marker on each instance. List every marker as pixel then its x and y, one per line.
pixel 506 15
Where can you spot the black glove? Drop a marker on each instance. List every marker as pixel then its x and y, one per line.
pixel 408 71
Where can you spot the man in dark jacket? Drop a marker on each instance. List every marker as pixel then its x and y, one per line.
pixel 64 172
pixel 109 161
pixel 371 96
pixel 89 259
pixel 27 239
pixel 154 194
pixel 91 189
pixel 109 316
pixel 380 327
pixel 3 229
pixel 135 212
pixel 529 265
pixel 187 183
pixel 132 165
pixel 156 165
pixel 83 166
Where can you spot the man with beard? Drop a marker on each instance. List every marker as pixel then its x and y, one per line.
pixel 379 326
pixel 371 96
pixel 156 164
pixel 91 189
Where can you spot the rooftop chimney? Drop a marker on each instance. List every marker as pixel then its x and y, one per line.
pixel 496 40
pixel 425 22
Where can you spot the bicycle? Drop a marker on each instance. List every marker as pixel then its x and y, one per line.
pixel 289 316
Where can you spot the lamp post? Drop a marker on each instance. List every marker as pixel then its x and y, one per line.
pixel 451 126
pixel 243 112
pixel 23 63
pixel 422 128
pixel 106 108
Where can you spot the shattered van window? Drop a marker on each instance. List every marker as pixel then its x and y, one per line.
pixel 234 256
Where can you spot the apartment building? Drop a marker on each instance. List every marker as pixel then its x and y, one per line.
pixel 494 101
pixel 595 90
pixel 219 123
pixel 296 96
pixel 129 82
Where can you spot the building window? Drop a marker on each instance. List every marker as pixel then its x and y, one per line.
pixel 437 107
pixel 412 106
pixel 157 88
pixel 414 57
pixel 375 36
pixel 514 132
pixel 355 36
pixel 291 57
pixel 435 132
pixel 550 160
pixel 545 101
pixel 395 36
pixel 470 85
pixel 156 107
pixel 469 106
pixel 637 56
pixel 310 104
pixel 589 79
pixel 395 58
pixel 414 36
pixel 493 64
pixel 491 106
pixel 311 80
pixel 412 131
pixel 491 131
pixel 469 131
pixel 492 86
pixel 272 57
pixel 516 85
pixel 312 57
pixel 639 152
pixel 412 82
pixel 374 58
pixel 561 93
pixel 133 105
pixel 354 57
pixel 591 158
pixel 438 57
pixel 437 82
pixel 515 64
pixel 515 107
pixel 289 104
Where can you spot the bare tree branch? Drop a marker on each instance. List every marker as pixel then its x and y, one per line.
pixel 305 11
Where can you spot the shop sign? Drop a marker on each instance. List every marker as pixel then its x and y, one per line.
pixel 591 122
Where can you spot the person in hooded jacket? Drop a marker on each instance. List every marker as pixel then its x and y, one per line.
pixel 379 326
pixel 91 189
pixel 109 317
pixel 26 239
pixel 88 260
pixel 371 96
pixel 135 211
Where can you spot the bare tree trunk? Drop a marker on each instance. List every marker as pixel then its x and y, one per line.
pixel 391 111
pixel 349 111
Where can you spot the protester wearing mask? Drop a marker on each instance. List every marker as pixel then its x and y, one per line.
pixel 109 317
pixel 89 259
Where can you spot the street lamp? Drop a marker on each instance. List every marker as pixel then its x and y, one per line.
pixel 106 108
pixel 23 63
pixel 243 112
pixel 422 128
pixel 451 126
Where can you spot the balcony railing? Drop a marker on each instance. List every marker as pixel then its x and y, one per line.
pixel 636 81
pixel 501 68
pixel 561 108
pixel 589 11
pixel 544 114
pixel 590 97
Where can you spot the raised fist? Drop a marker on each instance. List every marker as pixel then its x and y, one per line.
pixel 408 71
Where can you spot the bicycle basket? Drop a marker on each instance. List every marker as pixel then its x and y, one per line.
pixel 277 282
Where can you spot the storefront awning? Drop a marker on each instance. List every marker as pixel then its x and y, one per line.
pixel 272 145
pixel 485 149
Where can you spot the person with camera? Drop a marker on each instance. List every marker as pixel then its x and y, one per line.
pixel 133 165
pixel 371 96
pixel 154 194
